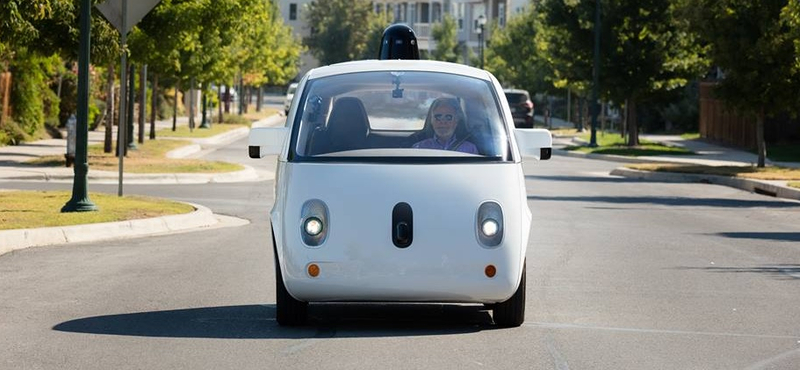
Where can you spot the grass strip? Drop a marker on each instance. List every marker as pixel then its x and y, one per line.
pixel 34 209
pixel 614 144
pixel 149 157
pixel 184 132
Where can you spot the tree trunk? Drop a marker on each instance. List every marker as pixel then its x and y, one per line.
pixel 107 146
pixel 246 101
pixel 227 99
pixel 142 101
pixel 175 109
pixel 260 97
pixel 219 106
pixel 191 104
pixel 633 125
pixel 623 122
pixel 154 108
pixel 762 145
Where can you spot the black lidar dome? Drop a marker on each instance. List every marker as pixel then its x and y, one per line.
pixel 399 42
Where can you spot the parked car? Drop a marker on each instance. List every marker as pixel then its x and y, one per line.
pixel 400 181
pixel 521 107
pixel 287 102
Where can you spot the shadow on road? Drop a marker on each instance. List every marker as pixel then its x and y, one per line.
pixel 588 179
pixel 258 322
pixel 673 201
pixel 782 236
pixel 779 271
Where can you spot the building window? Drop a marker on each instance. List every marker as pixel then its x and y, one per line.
pixel 293 11
pixel 437 12
pixel 460 15
pixel 412 13
pixel 424 13
pixel 501 14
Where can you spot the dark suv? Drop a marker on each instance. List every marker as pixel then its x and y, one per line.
pixel 521 107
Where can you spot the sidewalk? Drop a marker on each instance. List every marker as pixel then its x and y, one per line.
pixel 13 166
pixel 706 154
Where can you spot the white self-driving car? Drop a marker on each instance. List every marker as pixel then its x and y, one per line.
pixel 400 181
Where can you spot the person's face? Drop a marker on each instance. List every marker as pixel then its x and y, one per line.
pixel 444 122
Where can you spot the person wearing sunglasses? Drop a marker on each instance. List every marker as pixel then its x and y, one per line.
pixel 448 122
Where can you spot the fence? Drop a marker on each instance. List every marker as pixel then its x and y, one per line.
pixel 726 126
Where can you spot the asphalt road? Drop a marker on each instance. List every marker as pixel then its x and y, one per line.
pixel 622 274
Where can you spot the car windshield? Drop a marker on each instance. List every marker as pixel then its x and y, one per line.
pixel 399 116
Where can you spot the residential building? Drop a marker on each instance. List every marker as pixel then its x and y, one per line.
pixel 421 16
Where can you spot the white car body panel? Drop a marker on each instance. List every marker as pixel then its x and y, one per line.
pixel 358 261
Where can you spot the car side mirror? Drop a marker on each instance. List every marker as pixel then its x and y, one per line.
pixel 534 142
pixel 264 141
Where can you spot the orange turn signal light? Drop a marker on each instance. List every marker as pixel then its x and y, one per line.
pixel 490 271
pixel 313 270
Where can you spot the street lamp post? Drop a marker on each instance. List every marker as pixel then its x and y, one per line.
pixel 80 201
pixel 481 36
pixel 595 108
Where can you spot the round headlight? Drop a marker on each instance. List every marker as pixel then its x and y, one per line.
pixel 313 226
pixel 489 227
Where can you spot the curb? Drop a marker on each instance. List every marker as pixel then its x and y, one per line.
pixel 753 186
pixel 605 157
pixel 26 238
pixel 107 177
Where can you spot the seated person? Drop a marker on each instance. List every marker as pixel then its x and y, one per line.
pixel 449 128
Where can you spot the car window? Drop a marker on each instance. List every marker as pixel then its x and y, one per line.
pixel 389 116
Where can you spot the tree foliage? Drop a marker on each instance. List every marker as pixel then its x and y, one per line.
pixel 647 49
pixel 341 30
pixel 755 44
pixel 445 33
pixel 517 56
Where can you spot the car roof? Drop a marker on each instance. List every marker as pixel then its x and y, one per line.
pixel 394 65
pixel 515 91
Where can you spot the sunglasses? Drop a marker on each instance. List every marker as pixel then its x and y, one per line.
pixel 443 117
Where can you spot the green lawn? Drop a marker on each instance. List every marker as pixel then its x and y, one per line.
pixel 613 143
pixel 33 209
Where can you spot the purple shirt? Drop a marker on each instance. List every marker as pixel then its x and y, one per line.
pixel 435 143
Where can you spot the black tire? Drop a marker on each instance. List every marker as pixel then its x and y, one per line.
pixel 289 311
pixel 511 312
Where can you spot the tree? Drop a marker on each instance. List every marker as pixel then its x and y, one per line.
pixel 646 49
pixel 36 38
pixel 517 56
pixel 752 41
pixel 445 34
pixel 340 29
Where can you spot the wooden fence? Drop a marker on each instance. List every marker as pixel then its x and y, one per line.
pixel 721 124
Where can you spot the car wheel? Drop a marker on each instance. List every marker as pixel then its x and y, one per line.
pixel 289 311
pixel 511 312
